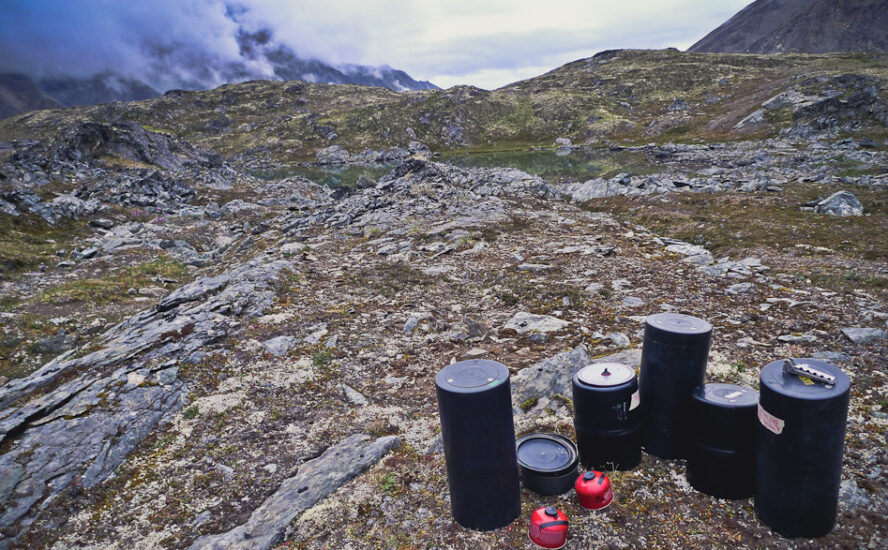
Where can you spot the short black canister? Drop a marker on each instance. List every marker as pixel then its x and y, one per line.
pixel 800 439
pixel 607 417
pixel 721 460
pixel 547 463
pixel 475 404
pixel 673 363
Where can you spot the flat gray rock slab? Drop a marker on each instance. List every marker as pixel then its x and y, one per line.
pixel 316 480
pixel 863 335
pixel 280 345
pixel 524 322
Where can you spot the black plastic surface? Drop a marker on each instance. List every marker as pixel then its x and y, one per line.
pixel 721 459
pixel 479 444
pixel 798 471
pixel 723 423
pixel 673 363
pixel 547 463
pixel 720 473
pixel 608 428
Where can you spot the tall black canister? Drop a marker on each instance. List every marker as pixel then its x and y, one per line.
pixel 721 459
pixel 607 416
pixel 475 404
pixel 800 439
pixel 673 363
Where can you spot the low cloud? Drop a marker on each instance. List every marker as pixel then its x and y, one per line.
pixel 180 43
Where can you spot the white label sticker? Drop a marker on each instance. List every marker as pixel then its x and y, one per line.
pixel 734 394
pixel 770 421
pixel 635 401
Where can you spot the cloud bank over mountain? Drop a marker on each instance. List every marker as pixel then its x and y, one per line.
pixel 202 43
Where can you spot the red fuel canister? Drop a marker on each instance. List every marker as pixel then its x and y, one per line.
pixel 548 527
pixel 594 490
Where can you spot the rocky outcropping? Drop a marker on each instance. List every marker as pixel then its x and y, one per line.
pixel 336 154
pixel 422 188
pixel 841 203
pixel 76 419
pixel 316 480
pixel 124 140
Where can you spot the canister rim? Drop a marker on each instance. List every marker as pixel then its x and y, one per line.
pixel 471 376
pixel 679 323
pixel 560 463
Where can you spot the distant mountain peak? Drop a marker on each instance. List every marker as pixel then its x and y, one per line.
pixel 262 57
pixel 802 26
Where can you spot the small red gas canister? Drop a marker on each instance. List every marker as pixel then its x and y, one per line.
pixel 594 490
pixel 548 527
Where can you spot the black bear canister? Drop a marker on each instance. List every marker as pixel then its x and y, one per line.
pixel 673 363
pixel 721 459
pixel 607 416
pixel 475 406
pixel 800 437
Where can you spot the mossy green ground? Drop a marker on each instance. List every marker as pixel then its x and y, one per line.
pixel 737 224
pixel 624 96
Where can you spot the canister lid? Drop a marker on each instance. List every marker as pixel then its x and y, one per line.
pixel 471 376
pixel 605 374
pixel 546 453
pixel 801 387
pixel 729 395
pixel 678 323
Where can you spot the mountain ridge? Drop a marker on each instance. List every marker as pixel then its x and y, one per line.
pixel 801 26
pixel 627 96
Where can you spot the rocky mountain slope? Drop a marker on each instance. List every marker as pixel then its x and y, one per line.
pixel 802 26
pixel 19 93
pixel 194 357
pixel 622 97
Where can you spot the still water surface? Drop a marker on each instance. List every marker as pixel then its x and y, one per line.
pixel 578 165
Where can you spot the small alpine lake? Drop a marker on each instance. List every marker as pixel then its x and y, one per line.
pixel 555 165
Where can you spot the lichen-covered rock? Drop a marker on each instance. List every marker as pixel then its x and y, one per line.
pixel 525 322
pixel 84 427
pixel 315 480
pixel 842 203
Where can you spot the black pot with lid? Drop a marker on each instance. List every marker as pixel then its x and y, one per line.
pixel 607 416
pixel 547 463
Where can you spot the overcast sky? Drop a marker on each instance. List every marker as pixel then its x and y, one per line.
pixel 486 43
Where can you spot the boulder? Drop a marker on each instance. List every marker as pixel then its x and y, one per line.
pixel 524 322
pixel 335 154
pixel 553 376
pixel 280 345
pixel 863 335
pixel 54 345
pixel 842 203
